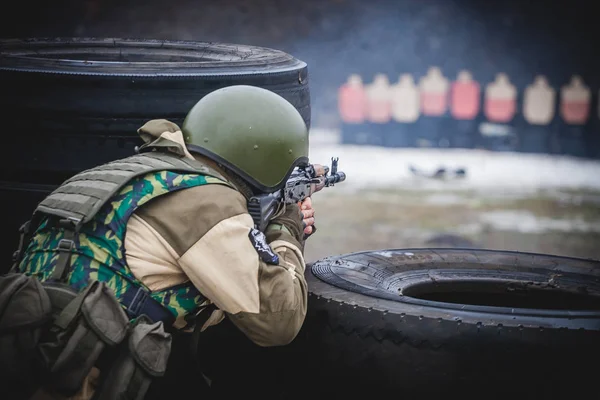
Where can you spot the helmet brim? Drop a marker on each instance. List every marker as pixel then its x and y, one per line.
pixel 261 187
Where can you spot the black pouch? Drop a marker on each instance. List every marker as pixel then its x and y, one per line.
pixel 92 321
pixel 25 313
pixel 143 358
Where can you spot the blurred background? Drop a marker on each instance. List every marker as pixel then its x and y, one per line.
pixel 459 123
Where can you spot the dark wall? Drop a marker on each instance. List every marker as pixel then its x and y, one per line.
pixel 336 38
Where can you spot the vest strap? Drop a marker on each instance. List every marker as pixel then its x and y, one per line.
pixel 65 248
pixel 137 301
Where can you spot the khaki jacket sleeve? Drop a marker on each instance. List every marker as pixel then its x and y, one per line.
pixel 266 302
pixel 283 299
pixel 207 231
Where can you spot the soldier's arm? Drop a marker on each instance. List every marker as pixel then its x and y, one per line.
pixel 282 287
pixel 208 231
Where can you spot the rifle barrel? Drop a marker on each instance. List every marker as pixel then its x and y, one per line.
pixel 335 178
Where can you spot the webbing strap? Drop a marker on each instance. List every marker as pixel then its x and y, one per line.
pixel 26 233
pixel 137 301
pixel 69 313
pixel 200 321
pixel 138 383
pixel 24 237
pixel 65 246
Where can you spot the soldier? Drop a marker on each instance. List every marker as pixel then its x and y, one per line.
pixel 166 233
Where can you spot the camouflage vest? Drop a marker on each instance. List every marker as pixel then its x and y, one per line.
pixel 100 202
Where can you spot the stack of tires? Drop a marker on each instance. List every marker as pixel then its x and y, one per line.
pixel 70 104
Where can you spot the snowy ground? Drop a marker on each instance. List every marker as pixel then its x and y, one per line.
pixel 370 166
pixel 511 201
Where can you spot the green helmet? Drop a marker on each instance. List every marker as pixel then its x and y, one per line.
pixel 252 131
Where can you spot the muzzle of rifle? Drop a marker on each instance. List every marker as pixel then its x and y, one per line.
pixel 335 178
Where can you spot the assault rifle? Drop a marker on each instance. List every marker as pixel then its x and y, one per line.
pixel 302 183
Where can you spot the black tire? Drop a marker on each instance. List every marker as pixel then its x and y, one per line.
pixel 75 103
pixel 85 98
pixel 358 340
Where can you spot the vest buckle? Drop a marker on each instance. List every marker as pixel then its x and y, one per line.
pixel 65 245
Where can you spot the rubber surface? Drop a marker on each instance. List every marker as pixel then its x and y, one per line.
pixel 358 342
pixel 85 98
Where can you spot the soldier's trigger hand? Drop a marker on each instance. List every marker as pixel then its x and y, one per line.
pixel 308 216
pixel 319 169
pixel 312 232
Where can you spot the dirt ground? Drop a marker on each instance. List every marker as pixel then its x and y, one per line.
pixel 563 222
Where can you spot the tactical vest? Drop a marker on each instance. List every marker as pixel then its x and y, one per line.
pixel 87 240
pixel 71 302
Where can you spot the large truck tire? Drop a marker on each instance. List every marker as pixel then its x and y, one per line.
pixel 72 103
pixel 430 322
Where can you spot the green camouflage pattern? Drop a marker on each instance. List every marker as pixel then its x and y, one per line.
pixel 99 247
